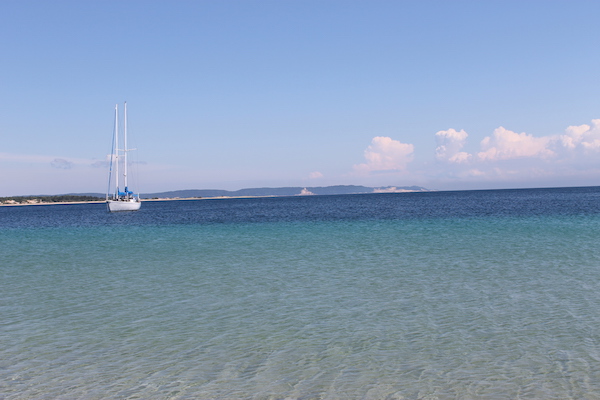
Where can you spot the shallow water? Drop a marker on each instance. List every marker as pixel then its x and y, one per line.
pixel 448 295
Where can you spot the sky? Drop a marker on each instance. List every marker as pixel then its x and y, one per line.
pixel 232 94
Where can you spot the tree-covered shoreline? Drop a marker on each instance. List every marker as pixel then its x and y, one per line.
pixel 66 198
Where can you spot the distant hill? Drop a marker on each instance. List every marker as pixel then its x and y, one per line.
pixel 283 191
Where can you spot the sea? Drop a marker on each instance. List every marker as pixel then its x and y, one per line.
pixel 429 295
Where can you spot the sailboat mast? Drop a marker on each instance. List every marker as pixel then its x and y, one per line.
pixel 116 150
pixel 125 148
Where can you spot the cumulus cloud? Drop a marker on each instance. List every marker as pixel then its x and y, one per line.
pixel 506 145
pixel 449 144
pixel 583 137
pixel 386 154
pixel 315 175
pixel 460 157
pixel 507 156
pixel 475 172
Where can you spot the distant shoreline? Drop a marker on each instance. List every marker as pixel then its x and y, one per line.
pixel 143 200
pixel 62 203
pixel 42 203
pixel 58 203
pixel 79 198
pixel 34 202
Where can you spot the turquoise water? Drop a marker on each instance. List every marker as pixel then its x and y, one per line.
pixel 465 295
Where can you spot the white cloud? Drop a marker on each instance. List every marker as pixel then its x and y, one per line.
pixel 460 157
pixel 386 154
pixel 583 137
pixel 315 175
pixel 106 162
pixel 475 172
pixel 506 145
pixel 449 144
pixel 520 159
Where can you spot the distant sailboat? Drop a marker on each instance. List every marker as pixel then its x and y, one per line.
pixel 124 200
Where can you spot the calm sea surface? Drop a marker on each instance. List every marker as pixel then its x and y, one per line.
pixel 442 295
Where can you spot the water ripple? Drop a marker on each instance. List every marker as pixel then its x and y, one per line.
pixel 497 307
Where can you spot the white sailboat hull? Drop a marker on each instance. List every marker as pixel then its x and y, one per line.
pixel 123 205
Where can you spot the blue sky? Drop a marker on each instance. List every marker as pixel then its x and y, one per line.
pixel 233 94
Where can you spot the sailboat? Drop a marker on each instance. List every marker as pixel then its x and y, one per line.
pixel 120 200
